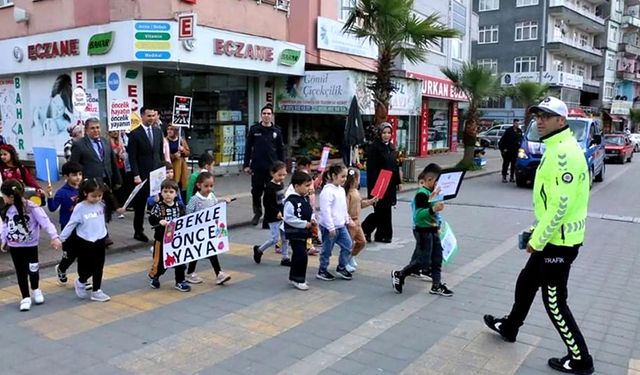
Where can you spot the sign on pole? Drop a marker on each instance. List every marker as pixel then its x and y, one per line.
pixel 119 115
pixel 156 177
pixel 196 236
pixel 182 110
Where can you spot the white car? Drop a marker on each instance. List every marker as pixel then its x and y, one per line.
pixel 635 139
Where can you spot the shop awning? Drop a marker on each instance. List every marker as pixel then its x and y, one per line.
pixel 615 118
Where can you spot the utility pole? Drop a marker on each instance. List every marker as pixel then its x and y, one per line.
pixel 543 42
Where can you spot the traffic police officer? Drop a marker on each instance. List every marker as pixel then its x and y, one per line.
pixel 560 199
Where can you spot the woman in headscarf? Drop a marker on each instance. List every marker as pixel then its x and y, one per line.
pixel 382 155
pixel 76 132
pixel 179 151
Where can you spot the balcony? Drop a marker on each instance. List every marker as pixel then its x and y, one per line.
pixel 283 5
pixel 576 16
pixel 626 75
pixel 629 21
pixel 629 50
pixel 574 49
pixel 591 82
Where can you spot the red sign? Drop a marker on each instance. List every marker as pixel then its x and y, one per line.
pixel 380 188
pixel 454 126
pixel 242 50
pixel 186 26
pixel 424 128
pixel 189 1
pixel 393 120
pixel 435 87
pixel 50 50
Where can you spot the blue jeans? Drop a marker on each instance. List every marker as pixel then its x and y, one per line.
pixel 343 240
pixel 276 234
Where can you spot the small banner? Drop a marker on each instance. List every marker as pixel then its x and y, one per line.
pixel 449 243
pixel 182 111
pixel 196 236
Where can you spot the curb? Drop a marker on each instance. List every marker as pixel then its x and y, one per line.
pixel 113 250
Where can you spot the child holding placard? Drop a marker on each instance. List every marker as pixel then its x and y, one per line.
pixel 426 207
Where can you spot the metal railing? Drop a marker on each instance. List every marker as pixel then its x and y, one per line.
pixel 577 9
pixel 574 43
pixel 283 5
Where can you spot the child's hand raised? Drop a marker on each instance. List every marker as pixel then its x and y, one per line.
pixel 435 193
pixel 49 190
pixel 163 222
pixel 438 206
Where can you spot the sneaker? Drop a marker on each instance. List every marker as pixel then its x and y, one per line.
pixel 350 268
pixel 572 366
pixel 154 283
pixel 300 286
pixel 343 273
pixel 183 286
pixel 422 275
pixel 121 216
pixel 396 281
pixel 504 180
pixel 99 296
pixel 325 275
pixel 353 263
pixel 367 237
pixel 25 304
pixel 441 290
pixel 193 278
pixel 88 285
pixel 256 219
pixel 37 296
pixel 222 278
pixel 257 254
pixel 498 325
pixel 62 276
pixel 81 292
pixel 285 262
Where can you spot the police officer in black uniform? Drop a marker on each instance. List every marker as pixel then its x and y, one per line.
pixel 263 148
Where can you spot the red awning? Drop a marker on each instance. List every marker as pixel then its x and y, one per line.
pixel 615 118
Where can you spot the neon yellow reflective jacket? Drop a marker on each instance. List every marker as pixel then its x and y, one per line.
pixel 560 192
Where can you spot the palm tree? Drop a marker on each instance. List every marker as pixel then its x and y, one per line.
pixel 479 84
pixel 398 33
pixel 527 93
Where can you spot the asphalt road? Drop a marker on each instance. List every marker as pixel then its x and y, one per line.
pixel 259 325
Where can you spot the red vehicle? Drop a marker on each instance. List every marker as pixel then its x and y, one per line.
pixel 618 147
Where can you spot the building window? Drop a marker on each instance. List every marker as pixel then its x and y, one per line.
pixel 526 3
pixel 608 90
pixel 525 64
pixel 6 3
pixel 488 34
pixel 437 46
pixel 527 30
pixel 345 8
pixel 456 48
pixel 486 5
pixel 613 33
pixel 581 70
pixel 611 61
pixel 491 64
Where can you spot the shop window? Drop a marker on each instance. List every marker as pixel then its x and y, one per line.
pixel 439 124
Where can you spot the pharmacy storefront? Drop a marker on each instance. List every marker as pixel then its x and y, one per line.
pixel 315 107
pixel 55 80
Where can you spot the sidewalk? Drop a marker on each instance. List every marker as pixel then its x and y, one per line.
pixel 238 214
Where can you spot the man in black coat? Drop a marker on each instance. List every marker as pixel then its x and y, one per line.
pixel 96 156
pixel 263 148
pixel 509 144
pixel 145 155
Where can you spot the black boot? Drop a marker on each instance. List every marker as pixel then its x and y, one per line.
pixel 257 213
pixel 569 365
pixel 502 326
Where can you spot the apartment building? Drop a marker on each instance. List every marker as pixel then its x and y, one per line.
pixel 625 93
pixel 566 43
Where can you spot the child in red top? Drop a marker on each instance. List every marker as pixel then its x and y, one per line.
pixel 12 168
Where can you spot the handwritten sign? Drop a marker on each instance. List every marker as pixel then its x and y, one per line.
pixel 155 180
pixel 119 115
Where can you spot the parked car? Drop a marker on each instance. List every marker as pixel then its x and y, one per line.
pixel 490 137
pixel 635 138
pixel 618 147
pixel 588 133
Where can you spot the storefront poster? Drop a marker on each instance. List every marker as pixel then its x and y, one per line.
pixel 196 236
pixel 152 40
pixel 12 114
pixel 182 111
pixel 119 115
pixel 331 37
pixel 454 126
pixel 424 128
pixel 321 92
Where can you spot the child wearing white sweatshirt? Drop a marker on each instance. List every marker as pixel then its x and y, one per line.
pixel 334 219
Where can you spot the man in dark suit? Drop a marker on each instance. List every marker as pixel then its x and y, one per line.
pixel 145 155
pixel 96 156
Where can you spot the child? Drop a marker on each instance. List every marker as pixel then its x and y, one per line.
pixel 12 168
pixel 204 198
pixel 355 204
pixel 273 204
pixel 334 219
pixel 66 198
pixel 427 226
pixel 206 163
pixel 297 227
pixel 303 164
pixel 161 214
pixel 21 224
pixel 89 220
